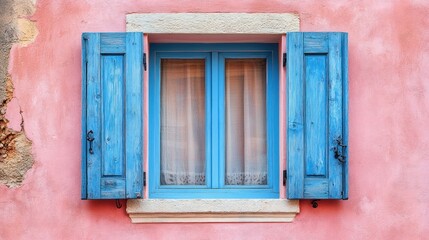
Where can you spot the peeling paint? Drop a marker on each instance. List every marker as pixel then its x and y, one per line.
pixel 27 31
pixel 15 147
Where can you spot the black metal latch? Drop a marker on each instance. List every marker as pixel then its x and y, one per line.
pixel 144 61
pixel 284 177
pixel 339 150
pixel 90 138
pixel 284 59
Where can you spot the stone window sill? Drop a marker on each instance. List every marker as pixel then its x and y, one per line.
pixel 212 210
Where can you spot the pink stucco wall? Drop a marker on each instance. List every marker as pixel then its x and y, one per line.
pixel 389 136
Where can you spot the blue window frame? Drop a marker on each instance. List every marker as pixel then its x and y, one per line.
pixel 214 57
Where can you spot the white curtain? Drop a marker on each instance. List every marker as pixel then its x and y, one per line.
pixel 246 149
pixel 183 122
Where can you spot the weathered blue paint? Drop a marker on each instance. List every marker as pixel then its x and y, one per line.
pixel 216 130
pixel 345 74
pixel 112 88
pixel 317 115
pixel 214 55
pixel 84 184
pixel 134 115
pixel 92 121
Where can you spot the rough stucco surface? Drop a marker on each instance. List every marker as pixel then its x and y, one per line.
pixel 389 112
pixel 15 147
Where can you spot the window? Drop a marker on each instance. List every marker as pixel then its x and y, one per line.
pixel 210 77
pixel 213 117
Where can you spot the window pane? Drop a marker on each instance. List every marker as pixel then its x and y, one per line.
pixel 183 122
pixel 245 122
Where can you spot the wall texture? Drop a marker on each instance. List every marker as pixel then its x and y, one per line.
pixel 389 112
pixel 15 147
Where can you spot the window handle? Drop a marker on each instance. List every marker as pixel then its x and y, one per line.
pixel 90 138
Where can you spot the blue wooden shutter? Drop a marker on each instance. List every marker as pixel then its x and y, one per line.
pixel 317 135
pixel 112 102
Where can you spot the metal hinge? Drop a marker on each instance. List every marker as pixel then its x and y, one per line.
pixel 85 39
pixel 284 59
pixel 284 177
pixel 144 61
pixel 144 179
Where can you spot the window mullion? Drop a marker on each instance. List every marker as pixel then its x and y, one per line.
pixel 215 121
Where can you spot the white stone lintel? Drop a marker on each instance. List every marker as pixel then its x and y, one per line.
pixel 213 23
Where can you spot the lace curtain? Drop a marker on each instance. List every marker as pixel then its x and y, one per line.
pixel 183 122
pixel 245 114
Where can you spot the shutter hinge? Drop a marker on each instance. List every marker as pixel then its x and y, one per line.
pixel 284 177
pixel 284 59
pixel 144 179
pixel 85 39
pixel 144 61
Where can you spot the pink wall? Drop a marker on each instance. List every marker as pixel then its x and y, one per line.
pixel 389 110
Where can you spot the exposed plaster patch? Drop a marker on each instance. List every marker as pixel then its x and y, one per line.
pixel 15 147
pixel 16 161
pixel 27 31
pixel 14 115
pixel 24 8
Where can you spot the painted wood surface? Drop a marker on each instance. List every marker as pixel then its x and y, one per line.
pixel 84 64
pixel 134 115
pixel 112 120
pixel 112 110
pixel 92 121
pixel 317 116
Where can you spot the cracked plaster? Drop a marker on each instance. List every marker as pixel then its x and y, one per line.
pixel 15 147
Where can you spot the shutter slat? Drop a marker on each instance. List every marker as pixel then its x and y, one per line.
pixel 93 114
pixel 84 184
pixel 335 113
pixel 134 115
pixel 345 73
pixel 317 115
pixel 295 116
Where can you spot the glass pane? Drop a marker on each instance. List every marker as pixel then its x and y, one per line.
pixel 245 122
pixel 183 122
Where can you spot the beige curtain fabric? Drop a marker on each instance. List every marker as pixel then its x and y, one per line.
pixel 182 122
pixel 246 150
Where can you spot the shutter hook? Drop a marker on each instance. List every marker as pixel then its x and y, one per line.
pixel 339 150
pixel 118 203
pixel 314 203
